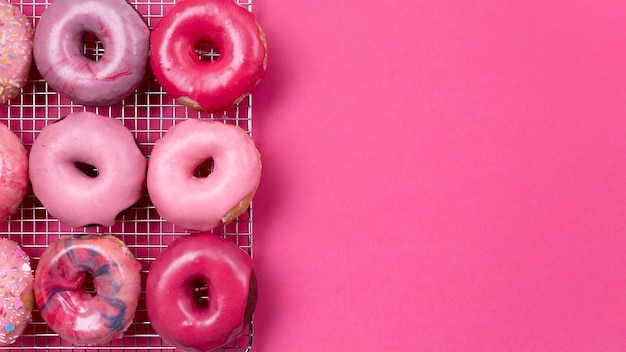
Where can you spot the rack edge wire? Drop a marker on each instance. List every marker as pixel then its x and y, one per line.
pixel 148 113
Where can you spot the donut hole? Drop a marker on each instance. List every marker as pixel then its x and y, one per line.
pixel 200 293
pixel 204 169
pixel 207 52
pixel 89 286
pixel 87 169
pixel 92 46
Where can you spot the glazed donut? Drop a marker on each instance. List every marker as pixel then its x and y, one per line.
pixel 208 86
pixel 16 44
pixel 186 322
pixel 16 291
pixel 13 172
pixel 69 193
pixel 195 203
pixel 58 49
pixel 72 312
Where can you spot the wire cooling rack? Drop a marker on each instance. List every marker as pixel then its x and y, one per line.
pixel 148 114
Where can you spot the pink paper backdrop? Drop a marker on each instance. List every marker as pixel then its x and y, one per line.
pixel 442 176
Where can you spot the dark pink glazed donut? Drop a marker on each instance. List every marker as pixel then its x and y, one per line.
pixel 60 293
pixel 174 312
pixel 216 85
pixel 60 183
pixel 58 49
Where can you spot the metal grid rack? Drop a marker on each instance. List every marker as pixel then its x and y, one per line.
pixel 148 114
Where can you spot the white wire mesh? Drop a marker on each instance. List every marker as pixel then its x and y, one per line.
pixel 148 114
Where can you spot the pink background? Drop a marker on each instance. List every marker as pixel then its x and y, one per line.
pixel 442 176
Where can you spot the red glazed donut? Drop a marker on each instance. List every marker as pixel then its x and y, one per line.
pixel 70 195
pixel 200 204
pixel 174 312
pixel 58 49
pixel 208 86
pixel 13 172
pixel 76 315
pixel 16 42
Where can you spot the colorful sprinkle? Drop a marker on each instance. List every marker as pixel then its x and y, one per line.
pixel 17 304
pixel 9 327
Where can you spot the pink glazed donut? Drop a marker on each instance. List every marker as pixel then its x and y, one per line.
pixel 13 172
pixel 196 203
pixel 59 164
pixel 58 49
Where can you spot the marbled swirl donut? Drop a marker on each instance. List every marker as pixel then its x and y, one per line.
pixel 76 315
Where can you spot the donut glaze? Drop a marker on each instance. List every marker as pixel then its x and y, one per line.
pixel 16 291
pixel 69 194
pixel 72 312
pixel 174 312
pixel 216 85
pixel 13 172
pixel 16 48
pixel 58 49
pixel 195 203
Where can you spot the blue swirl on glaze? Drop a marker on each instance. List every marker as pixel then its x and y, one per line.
pixel 115 322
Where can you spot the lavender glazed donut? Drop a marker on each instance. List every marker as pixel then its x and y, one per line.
pixel 58 178
pixel 196 203
pixel 16 48
pixel 13 172
pixel 58 49
pixel 72 312
pixel 16 291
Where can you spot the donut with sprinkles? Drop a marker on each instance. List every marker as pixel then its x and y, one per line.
pixel 16 291
pixel 16 49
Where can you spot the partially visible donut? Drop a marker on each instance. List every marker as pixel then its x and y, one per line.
pixel 180 318
pixel 58 49
pixel 56 162
pixel 216 85
pixel 16 291
pixel 196 203
pixel 16 48
pixel 72 312
pixel 13 172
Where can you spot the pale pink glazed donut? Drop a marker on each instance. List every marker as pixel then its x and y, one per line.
pixel 16 291
pixel 196 203
pixel 181 319
pixel 58 49
pixel 72 312
pixel 13 172
pixel 215 85
pixel 16 49
pixel 73 196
